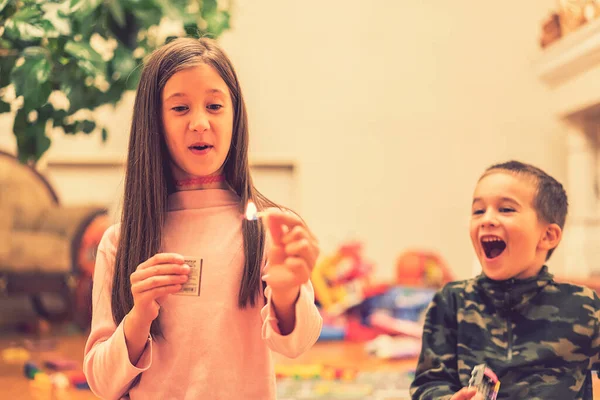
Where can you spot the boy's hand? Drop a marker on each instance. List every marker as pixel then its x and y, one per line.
pixel 292 256
pixel 467 394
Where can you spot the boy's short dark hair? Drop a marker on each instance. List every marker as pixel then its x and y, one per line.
pixel 550 201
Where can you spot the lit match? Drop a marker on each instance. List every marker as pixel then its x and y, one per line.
pixel 252 213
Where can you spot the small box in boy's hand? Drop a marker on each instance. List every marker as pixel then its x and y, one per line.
pixel 485 381
pixel 192 286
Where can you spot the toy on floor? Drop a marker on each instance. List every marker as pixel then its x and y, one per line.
pixel 375 385
pixel 388 347
pixel 61 364
pixel 56 380
pixel 15 355
pixel 314 371
pixel 396 326
pixel 340 279
pixel 423 269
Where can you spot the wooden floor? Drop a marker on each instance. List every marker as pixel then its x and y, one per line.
pixel 14 384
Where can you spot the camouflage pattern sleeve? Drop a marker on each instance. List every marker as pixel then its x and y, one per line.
pixel 595 356
pixel 436 376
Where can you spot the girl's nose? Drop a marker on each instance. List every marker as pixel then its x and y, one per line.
pixel 199 122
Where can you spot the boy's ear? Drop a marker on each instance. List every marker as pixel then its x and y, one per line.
pixel 551 237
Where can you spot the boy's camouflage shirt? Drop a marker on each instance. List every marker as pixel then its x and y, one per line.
pixel 540 337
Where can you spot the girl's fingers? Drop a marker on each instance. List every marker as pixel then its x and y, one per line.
pixel 299 268
pixel 275 255
pixel 302 248
pixel 159 292
pixel 294 272
pixel 157 282
pixel 298 232
pixel 281 223
pixel 162 258
pixel 158 270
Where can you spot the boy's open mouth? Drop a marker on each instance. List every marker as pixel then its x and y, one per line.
pixel 493 246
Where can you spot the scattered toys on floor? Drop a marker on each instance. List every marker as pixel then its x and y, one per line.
pixel 381 385
pixel 394 348
pixel 315 371
pixel 58 380
pixel 15 355
pixel 355 308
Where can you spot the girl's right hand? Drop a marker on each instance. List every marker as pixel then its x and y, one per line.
pixel 160 275
pixel 466 394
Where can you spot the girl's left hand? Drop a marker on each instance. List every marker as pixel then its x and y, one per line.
pixel 292 255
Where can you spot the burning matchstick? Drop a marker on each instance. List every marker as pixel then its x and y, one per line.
pixel 251 212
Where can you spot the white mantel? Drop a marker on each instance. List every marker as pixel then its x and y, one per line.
pixel 571 69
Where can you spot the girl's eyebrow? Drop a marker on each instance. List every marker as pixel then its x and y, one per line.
pixel 175 95
pixel 179 94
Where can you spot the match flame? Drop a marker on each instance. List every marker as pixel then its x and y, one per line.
pixel 251 212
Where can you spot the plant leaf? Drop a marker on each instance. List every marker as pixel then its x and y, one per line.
pixel 6 66
pixel 32 141
pixel 87 126
pixel 217 23
pixel 58 117
pixel 3 4
pixel 26 25
pixel 81 9
pixel 54 14
pixel 117 12
pixel 87 58
pixel 31 78
pixel 123 61
pixel 209 7
pixel 4 107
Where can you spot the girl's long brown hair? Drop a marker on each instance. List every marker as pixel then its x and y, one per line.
pixel 148 179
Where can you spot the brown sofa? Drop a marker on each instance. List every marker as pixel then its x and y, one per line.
pixel 45 247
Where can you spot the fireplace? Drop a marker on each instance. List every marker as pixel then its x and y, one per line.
pixel 570 68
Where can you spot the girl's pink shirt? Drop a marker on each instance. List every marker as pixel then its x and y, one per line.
pixel 211 348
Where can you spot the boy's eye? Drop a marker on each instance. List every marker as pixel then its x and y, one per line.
pixel 477 212
pixel 506 209
pixel 179 108
pixel 214 107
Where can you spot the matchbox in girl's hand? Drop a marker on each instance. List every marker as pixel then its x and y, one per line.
pixel 192 286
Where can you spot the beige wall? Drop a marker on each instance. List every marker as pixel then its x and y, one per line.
pixel 394 109
pixel 391 110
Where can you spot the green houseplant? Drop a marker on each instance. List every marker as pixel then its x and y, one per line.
pixel 59 58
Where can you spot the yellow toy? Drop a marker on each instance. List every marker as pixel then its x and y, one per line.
pixel 339 280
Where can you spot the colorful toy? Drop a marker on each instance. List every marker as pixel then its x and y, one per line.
pixel 388 347
pixel 357 331
pixel 365 385
pixel 314 371
pixel 57 380
pixel 422 268
pixel 340 279
pixel 395 326
pixel 309 371
pixel 61 364
pixel 15 355
pixel 332 333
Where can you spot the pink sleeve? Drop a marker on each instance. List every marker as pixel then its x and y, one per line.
pixel 305 332
pixel 106 365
